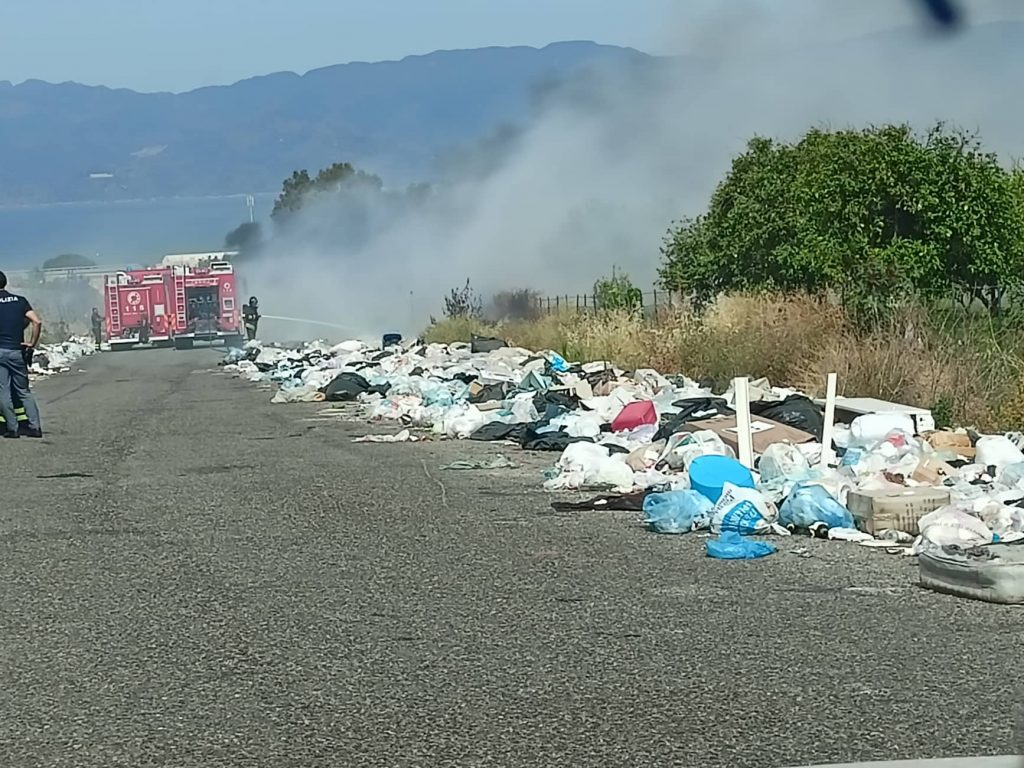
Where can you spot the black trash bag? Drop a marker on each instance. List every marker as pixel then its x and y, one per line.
pixel 795 411
pixel 629 502
pixel 380 389
pixel 542 400
pixel 550 413
pixel 497 430
pixel 601 377
pixel 548 441
pixel 486 344
pixel 692 409
pixel 346 387
pixel 490 393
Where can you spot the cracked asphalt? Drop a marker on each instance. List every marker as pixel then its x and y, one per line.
pixel 192 576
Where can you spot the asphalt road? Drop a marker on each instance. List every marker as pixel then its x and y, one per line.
pixel 192 576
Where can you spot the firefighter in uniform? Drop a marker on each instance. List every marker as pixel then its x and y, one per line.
pixel 97 327
pixel 251 317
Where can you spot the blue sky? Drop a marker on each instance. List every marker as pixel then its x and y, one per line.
pixel 181 44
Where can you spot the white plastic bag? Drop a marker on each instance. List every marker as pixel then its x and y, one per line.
pixel 578 424
pixel 998 451
pixel 584 465
pixel 871 428
pixel 682 448
pixel 782 460
pixel 949 525
pixel 459 422
pixel 1003 519
pixel 742 510
pixel 304 393
pixel 1011 476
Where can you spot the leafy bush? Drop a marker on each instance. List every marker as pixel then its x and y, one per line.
pixel 877 217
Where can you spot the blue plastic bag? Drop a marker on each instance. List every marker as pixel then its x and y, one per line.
pixel 731 546
pixel 558 363
pixel 809 504
pixel 677 511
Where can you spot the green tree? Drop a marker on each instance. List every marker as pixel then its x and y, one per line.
pixel 293 191
pixel 300 188
pixel 873 215
pixel 68 261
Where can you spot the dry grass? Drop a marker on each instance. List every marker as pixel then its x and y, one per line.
pixel 965 367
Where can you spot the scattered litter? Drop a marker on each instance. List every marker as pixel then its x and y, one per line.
pixel 731 546
pixel 625 502
pixel 848 534
pixel 809 504
pixel 710 475
pixel 50 359
pixel 742 510
pixel 677 511
pixel 667 446
pixel 405 436
pixel 498 462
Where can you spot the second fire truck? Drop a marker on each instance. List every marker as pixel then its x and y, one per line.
pixel 173 306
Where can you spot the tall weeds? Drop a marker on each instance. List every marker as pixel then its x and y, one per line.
pixel 967 366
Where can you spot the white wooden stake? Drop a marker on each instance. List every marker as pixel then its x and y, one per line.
pixel 743 436
pixel 828 455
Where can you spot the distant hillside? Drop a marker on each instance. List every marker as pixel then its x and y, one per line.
pixel 70 142
pixel 74 142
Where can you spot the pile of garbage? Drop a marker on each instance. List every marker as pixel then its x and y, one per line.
pixel 50 359
pixel 668 445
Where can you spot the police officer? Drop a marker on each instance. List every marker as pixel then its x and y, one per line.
pixel 251 317
pixel 15 314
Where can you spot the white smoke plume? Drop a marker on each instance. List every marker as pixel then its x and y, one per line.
pixel 597 179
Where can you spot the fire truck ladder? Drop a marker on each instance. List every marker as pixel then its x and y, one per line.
pixel 115 306
pixel 179 299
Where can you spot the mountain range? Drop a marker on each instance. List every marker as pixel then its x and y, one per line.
pixel 70 142
pixel 402 119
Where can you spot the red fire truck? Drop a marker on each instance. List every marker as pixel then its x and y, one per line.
pixel 173 306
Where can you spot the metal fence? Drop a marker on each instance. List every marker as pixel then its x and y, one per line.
pixel 650 302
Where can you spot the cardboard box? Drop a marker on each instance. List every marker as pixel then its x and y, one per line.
pixel 932 471
pixel 900 509
pixel 764 432
pixel 952 441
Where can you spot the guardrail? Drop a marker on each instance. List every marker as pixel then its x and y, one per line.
pixel 22 276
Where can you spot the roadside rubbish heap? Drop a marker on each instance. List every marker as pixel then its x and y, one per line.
pixel 51 359
pixel 667 447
